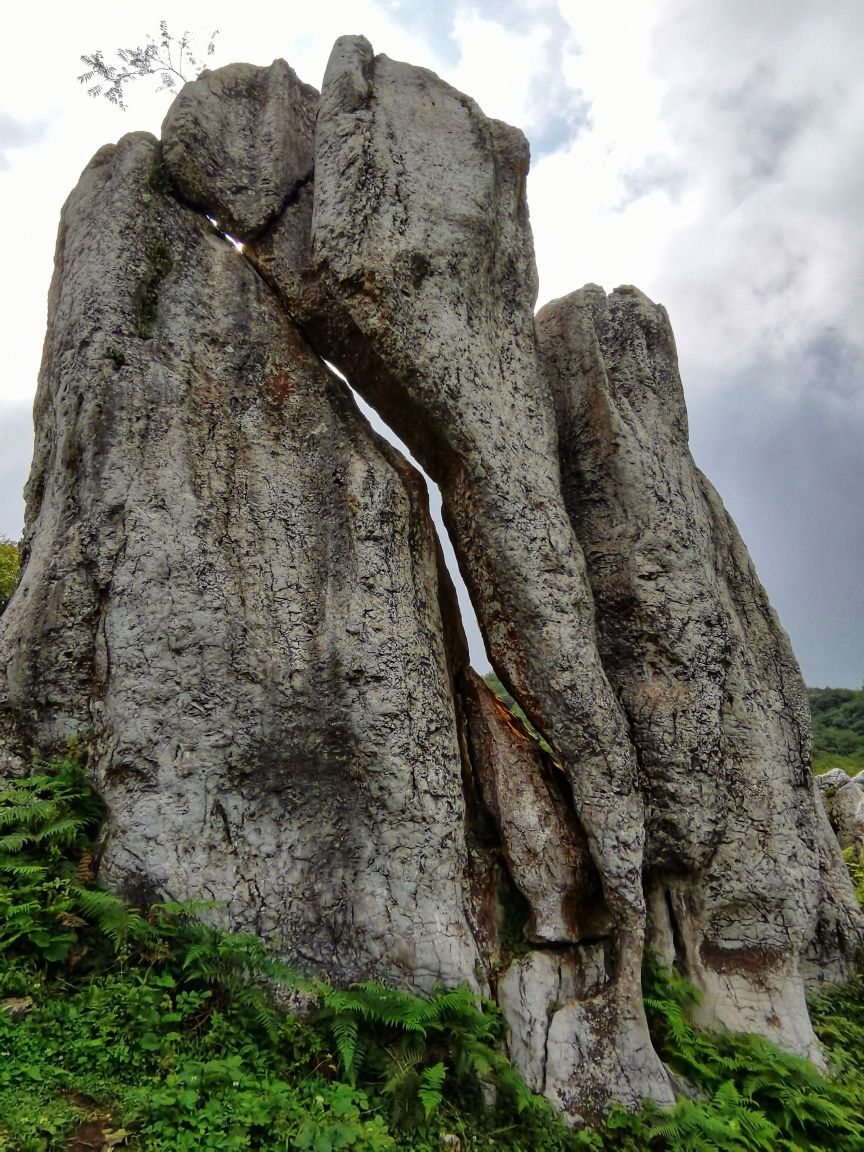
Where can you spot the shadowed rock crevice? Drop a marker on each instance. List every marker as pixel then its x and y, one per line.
pixel 234 598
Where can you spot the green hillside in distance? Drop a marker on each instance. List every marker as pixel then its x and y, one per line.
pixel 838 729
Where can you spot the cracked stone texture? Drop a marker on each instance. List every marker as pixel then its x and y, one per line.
pixel 703 670
pixel 231 595
pixel 238 143
pixel 536 986
pixel 570 1041
pixel 420 236
pixel 843 799
pixel 526 795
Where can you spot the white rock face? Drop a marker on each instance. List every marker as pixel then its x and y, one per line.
pixel 537 986
pixel 233 595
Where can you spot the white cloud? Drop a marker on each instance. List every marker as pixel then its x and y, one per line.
pixel 765 102
pixel 16 447
pixel 18 134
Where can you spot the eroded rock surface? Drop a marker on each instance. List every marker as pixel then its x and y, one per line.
pixel 238 142
pixel 844 805
pixel 703 670
pixel 233 595
pixel 420 233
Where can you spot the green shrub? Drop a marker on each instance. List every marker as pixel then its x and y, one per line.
pixel 838 729
pixel 10 567
pixel 157 1032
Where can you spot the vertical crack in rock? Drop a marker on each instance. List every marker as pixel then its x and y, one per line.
pixel 546 850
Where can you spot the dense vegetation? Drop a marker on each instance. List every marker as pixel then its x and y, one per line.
pixel 838 729
pixel 507 700
pixel 9 567
pixel 151 1030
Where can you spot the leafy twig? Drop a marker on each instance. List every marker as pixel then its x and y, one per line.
pixel 169 58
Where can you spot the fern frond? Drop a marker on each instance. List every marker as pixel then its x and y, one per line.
pixel 431 1090
pixel 25 868
pixel 344 1029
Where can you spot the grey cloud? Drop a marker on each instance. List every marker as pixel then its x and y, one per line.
pixel 763 125
pixel 782 445
pixel 557 113
pixel 765 287
pixel 747 82
pixel 18 134
pixel 747 123
pixel 16 450
pixel 434 22
pixel 658 173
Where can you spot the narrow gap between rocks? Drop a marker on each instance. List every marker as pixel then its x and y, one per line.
pixel 476 648
pixel 238 244
pixel 477 654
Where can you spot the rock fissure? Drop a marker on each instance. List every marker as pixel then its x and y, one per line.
pixel 233 593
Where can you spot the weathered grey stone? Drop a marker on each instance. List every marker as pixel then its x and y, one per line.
pixel 845 810
pixel 546 852
pixel 533 989
pixel 703 670
pixel 231 595
pixel 420 232
pixel 829 782
pixel 598 1051
pixel 238 143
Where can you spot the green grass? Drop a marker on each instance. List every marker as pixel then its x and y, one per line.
pixel 159 1032
pixel 10 566
pixel 825 761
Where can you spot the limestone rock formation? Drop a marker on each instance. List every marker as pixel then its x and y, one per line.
pixel 233 597
pixel 704 672
pixel 239 143
pixel 844 805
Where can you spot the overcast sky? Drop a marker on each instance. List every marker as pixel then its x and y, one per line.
pixel 711 153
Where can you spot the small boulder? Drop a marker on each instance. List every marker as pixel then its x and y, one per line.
pixel 239 141
pixel 845 809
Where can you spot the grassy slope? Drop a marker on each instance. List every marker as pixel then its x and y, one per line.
pixel 152 1031
pixel 838 729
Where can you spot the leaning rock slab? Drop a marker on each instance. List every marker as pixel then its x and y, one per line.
pixel 420 235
